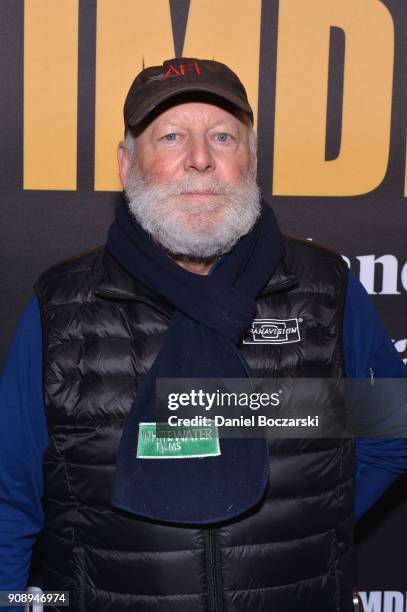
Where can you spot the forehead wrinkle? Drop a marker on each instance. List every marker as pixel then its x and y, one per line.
pixel 200 114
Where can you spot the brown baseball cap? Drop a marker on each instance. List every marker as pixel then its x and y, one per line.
pixel 176 76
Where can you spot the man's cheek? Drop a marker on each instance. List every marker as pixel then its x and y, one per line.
pixel 166 168
pixel 233 171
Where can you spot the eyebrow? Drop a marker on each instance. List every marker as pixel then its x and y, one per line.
pixel 175 123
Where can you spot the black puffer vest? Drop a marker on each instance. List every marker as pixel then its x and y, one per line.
pixel 292 553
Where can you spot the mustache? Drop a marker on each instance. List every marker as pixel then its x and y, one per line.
pixel 188 185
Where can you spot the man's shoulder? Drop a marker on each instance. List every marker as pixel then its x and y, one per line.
pixel 315 262
pixel 68 271
pixel 297 247
pixel 299 250
pixel 87 261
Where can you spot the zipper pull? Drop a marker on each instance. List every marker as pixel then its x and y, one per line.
pixel 371 376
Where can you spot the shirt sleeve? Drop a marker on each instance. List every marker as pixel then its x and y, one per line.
pixel 369 352
pixel 23 438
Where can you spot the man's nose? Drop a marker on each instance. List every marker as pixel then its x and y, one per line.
pixel 199 156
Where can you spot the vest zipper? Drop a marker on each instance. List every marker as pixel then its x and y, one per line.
pixel 213 569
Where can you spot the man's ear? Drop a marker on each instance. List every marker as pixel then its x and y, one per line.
pixel 123 161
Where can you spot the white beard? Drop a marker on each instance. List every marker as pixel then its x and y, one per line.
pixel 201 227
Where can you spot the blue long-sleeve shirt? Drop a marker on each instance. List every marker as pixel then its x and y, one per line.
pixel 23 431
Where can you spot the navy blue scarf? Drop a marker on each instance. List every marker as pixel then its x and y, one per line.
pixel 211 314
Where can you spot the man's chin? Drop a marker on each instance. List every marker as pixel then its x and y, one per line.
pixel 197 203
pixel 200 222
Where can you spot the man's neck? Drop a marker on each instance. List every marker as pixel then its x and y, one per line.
pixel 195 265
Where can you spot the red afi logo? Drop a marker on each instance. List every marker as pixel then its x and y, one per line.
pixel 182 68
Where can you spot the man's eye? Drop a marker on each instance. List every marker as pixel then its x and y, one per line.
pixel 223 137
pixel 169 137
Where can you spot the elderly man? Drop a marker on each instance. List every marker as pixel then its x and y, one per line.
pixel 193 260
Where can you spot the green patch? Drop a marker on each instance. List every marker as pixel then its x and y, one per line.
pixel 176 442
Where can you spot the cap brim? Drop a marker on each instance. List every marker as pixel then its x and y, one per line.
pixel 137 117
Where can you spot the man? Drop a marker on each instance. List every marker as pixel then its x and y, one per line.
pixel 192 260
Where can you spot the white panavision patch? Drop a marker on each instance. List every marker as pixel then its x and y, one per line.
pixel 273 331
